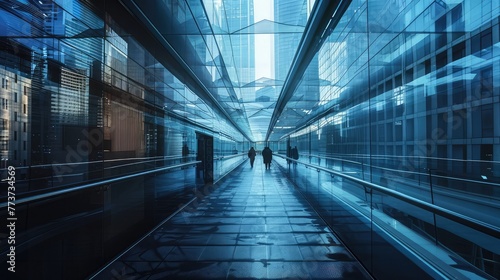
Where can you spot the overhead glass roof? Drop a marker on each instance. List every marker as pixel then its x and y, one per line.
pixel 256 40
pixel 239 51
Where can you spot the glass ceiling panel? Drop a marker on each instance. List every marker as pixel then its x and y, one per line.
pixel 334 66
pixel 239 50
pixel 257 40
pixel 266 26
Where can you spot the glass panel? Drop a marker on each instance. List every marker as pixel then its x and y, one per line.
pixel 402 94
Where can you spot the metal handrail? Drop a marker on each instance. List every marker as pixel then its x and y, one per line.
pixel 405 171
pixel 101 161
pixel 94 184
pixel 475 224
pixel 232 156
pixel 406 157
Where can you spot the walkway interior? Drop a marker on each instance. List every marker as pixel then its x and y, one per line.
pixel 253 225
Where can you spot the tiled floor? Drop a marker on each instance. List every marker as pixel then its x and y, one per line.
pixel 252 226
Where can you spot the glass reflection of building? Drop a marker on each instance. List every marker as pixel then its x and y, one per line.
pixel 14 116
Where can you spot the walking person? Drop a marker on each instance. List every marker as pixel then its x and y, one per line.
pixel 251 156
pixel 267 155
pixel 200 167
pixel 295 154
pixel 185 153
pixel 288 154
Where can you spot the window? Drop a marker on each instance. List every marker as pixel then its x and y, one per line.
pixel 5 103
pixel 458 51
pixel 4 145
pixel 459 124
pixel 487 120
pixel 475 44
pixel 4 124
pixel 486 156
pixel 481 41
pixel 24 109
pixel 440 27
pixel 456 13
pixel 24 127
pixel 440 24
pixel 442 95
pixel 486 82
pixel 398 131
pixel 442 125
pixel 389 131
pixel 427 66
pixel 486 39
pixel 458 92
pixel 459 152
pixel 441 60
pixel 15 97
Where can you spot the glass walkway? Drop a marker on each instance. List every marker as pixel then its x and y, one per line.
pixel 253 225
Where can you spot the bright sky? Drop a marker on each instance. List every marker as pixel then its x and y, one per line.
pixel 264 43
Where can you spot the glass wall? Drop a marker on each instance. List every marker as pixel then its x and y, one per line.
pixel 408 99
pixel 79 91
pixel 86 99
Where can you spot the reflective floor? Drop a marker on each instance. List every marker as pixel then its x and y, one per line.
pixel 254 225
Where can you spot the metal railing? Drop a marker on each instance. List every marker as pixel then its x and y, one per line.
pixel 482 230
pixel 478 225
pixel 51 194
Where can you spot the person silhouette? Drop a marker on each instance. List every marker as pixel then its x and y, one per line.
pixel 251 156
pixel 295 154
pixel 185 153
pixel 267 155
pixel 288 154
pixel 200 167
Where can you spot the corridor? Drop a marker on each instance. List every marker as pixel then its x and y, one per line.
pixel 252 225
